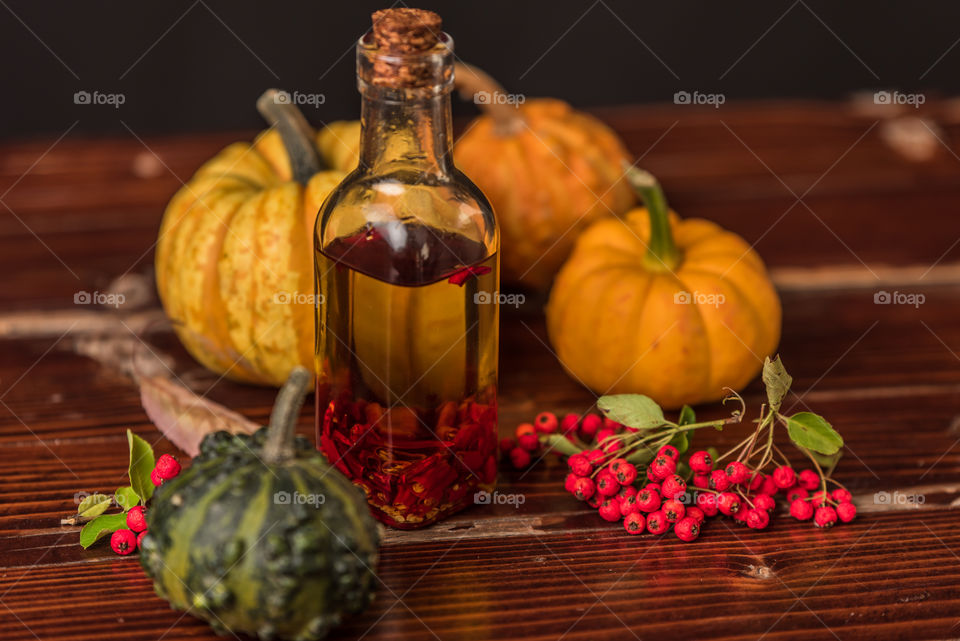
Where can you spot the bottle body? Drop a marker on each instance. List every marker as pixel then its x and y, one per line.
pixel 407 272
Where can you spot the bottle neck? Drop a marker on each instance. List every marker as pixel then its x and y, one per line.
pixel 413 134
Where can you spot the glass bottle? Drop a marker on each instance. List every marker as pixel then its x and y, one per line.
pixel 407 267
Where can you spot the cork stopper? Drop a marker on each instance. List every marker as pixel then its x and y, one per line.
pixel 402 33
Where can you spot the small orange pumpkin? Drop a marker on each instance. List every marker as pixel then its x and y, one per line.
pixel 651 304
pixel 548 170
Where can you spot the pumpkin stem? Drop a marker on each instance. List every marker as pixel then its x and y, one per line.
pixel 295 131
pixel 471 81
pixel 662 253
pixel 283 418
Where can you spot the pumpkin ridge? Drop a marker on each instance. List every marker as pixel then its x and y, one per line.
pixel 206 225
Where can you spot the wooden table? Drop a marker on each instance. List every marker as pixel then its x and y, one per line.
pixel 836 211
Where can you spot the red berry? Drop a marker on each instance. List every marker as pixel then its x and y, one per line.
pixel 546 422
pixel 625 492
pixel 687 529
pixel 569 423
pixel 669 451
pixel 520 458
pixel 595 500
pixel 648 500
pixel 625 472
pixel 140 538
pixel 136 519
pixel 607 484
pixel 584 488
pixel 123 541
pixel 634 523
pixel 701 480
pixel 708 503
pixel 525 428
pixel 769 487
pixel 728 503
pixel 673 510
pixel 673 486
pixel 167 467
pixel 604 434
pixel 610 424
pixel 610 510
pixel 820 498
pixel 847 511
pixel 569 483
pixel 737 472
pixel 784 477
pixel 590 426
pixel 507 443
pixel 594 456
pixel 657 523
pixel 155 478
pixel 801 510
pixel 529 442
pixel 701 462
pixel 693 512
pixel 764 502
pixel 580 465
pixel 841 495
pixel 756 481
pixel 719 480
pixel 757 518
pixel 651 477
pixel 795 493
pixel 740 516
pixel 629 505
pixel 808 479
pixel 662 466
pixel 825 517
pixel 613 446
pixel 653 487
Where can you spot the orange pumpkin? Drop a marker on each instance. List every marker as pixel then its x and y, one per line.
pixel 547 169
pixel 651 304
pixel 234 260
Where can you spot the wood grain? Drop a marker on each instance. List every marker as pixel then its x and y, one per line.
pixel 887 375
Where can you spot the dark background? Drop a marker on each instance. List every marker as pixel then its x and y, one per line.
pixel 185 66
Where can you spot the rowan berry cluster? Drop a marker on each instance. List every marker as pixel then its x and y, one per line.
pixel 126 540
pixel 641 475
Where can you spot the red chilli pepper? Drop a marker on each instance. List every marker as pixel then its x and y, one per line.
pixel 465 274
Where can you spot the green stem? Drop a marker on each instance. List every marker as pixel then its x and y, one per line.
pixel 283 419
pixel 662 253
pixel 296 133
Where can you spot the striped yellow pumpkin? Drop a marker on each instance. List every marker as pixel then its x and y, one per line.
pixel 234 263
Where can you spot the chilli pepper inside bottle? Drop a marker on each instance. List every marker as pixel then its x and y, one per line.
pixel 407 267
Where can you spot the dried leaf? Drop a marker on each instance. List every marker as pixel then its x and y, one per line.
pixel 185 418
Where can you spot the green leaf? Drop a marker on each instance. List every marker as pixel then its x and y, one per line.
pixel 640 456
pixel 827 463
pixel 560 443
pixel 94 505
pixel 632 410
pixel 141 465
pixel 812 432
pixel 100 527
pixel 777 382
pixel 127 497
pixel 681 441
pixel 687 416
